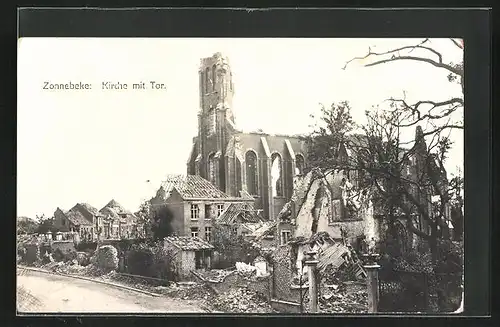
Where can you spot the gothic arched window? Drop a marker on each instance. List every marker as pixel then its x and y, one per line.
pixel 277 174
pixel 299 164
pixel 214 77
pixel 251 172
pixel 207 79
pixel 212 169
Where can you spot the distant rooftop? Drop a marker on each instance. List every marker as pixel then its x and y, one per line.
pixel 192 186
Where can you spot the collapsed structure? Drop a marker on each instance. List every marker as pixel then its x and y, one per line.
pixel 263 190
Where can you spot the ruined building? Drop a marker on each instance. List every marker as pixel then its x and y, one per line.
pixel 270 167
pixel 261 164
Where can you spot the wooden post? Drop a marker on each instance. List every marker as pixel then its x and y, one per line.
pixel 311 263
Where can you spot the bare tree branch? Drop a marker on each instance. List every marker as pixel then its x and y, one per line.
pixel 458 70
pixel 457 43
pixel 452 69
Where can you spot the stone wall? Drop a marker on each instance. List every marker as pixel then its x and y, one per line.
pixel 185 263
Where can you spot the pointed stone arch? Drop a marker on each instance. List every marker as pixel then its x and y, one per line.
pixel 251 171
pixel 277 174
pixel 299 164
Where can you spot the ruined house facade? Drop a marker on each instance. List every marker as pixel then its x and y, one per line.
pixel 111 222
pixel 82 218
pixel 195 204
pixel 118 223
pixel 261 164
pixel 342 204
pixel 271 167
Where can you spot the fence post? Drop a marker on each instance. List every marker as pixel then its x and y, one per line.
pixel 311 263
pixel 372 269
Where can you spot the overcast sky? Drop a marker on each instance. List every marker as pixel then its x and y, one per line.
pixel 92 146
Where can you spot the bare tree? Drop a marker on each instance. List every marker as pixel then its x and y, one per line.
pixel 439 118
pixel 406 176
pixel 407 182
pixel 425 111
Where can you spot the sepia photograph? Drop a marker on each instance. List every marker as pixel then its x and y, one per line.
pixel 240 175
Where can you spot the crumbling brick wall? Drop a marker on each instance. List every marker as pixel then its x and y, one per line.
pixel 283 271
pixel 261 285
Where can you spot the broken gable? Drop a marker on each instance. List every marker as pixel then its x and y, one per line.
pixel 312 209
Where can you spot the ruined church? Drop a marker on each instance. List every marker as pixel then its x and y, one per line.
pixel 255 164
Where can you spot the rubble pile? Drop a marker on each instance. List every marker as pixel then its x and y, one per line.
pixel 246 271
pixel 341 300
pixel 73 268
pixel 241 300
pixel 193 291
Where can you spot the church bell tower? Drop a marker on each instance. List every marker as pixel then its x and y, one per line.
pixel 214 117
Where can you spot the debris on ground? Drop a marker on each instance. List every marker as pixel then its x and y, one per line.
pixel 214 275
pixel 245 268
pixel 241 300
pixel 192 292
pixel 343 300
pixel 342 297
pixel 73 268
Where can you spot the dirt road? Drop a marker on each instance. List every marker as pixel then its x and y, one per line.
pixel 42 293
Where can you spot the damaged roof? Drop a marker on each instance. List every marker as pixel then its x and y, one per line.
pixel 81 214
pixel 333 256
pixel 114 210
pixel 77 218
pixel 192 187
pixel 235 210
pixel 90 209
pixel 187 243
pixel 267 228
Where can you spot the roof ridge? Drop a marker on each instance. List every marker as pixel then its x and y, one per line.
pixel 192 186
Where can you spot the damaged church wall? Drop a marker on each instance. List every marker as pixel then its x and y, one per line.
pixel 304 217
pixel 329 220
